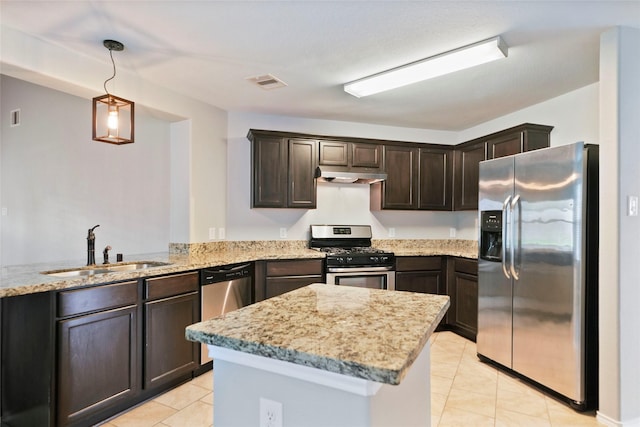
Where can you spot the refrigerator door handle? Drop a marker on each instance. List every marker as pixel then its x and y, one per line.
pixel 505 236
pixel 514 265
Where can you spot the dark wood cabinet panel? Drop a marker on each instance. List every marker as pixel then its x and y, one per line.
pixel 435 179
pixel 400 190
pixel 269 169
pixel 505 146
pixel 366 155
pixel 274 278
pixel 301 179
pixel 283 171
pixel 168 355
pixel 97 363
pixel 427 282
pixel 333 153
pixel 516 140
pixel 463 291
pixel 97 298
pixel 28 357
pixel 166 286
pixel 467 160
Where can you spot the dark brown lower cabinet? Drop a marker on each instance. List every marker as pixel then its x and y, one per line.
pixel 273 278
pixel 168 355
pixel 463 290
pixel 424 274
pixel 98 348
pixel 97 363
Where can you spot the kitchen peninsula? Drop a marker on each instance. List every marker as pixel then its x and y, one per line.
pixel 330 355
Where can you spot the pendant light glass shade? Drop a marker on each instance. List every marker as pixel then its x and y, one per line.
pixel 113 117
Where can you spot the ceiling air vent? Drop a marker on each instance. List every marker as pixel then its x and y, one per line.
pixel 267 82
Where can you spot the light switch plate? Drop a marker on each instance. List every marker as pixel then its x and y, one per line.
pixel 632 205
pixel 212 233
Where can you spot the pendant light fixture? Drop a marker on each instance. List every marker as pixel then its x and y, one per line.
pixel 113 120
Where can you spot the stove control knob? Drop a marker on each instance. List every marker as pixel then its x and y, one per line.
pixel 340 260
pixel 384 258
pixel 375 259
pixel 349 259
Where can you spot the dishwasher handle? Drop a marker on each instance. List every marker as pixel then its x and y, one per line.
pixel 223 274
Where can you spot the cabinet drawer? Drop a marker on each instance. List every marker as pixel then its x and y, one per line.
pixel 294 267
pixel 416 263
pixel 469 266
pixel 279 285
pixel 162 287
pixel 102 297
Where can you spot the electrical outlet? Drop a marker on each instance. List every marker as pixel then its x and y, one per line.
pixel 270 413
pixel 221 233
pixel 283 233
pixel 5 211
pixel 452 232
pixel 392 232
pixel 212 233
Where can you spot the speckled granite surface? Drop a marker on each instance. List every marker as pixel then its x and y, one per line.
pixel 27 279
pixel 364 333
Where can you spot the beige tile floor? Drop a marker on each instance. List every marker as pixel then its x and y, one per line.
pixel 465 392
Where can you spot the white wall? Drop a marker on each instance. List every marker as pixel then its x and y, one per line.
pixel 619 232
pixel 57 182
pixel 573 115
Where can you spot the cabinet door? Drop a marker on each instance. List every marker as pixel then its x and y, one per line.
pixel 436 175
pixel 366 155
pixel 302 166
pixel 427 282
pixel 400 190
pixel 466 168
pixel 97 362
pixel 168 355
pixel 463 313
pixel 504 146
pixel 334 153
pixel 279 285
pixel 269 183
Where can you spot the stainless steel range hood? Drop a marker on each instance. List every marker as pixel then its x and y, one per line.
pixel 342 176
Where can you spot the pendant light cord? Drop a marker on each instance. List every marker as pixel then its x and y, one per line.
pixel 114 72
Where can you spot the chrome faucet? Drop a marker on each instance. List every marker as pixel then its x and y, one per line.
pixel 91 246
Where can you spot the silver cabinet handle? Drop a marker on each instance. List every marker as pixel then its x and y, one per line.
pixel 505 236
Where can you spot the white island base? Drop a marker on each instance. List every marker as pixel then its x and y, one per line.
pixel 312 397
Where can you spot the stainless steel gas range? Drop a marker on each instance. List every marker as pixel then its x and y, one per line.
pixel 351 260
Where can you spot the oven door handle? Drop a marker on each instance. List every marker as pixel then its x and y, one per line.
pixel 359 269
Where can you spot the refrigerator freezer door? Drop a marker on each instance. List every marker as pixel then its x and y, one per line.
pixel 548 242
pixel 494 286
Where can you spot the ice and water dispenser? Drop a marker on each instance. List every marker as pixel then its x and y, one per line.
pixel 491 235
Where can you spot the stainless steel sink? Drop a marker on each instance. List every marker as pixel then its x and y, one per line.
pixel 103 269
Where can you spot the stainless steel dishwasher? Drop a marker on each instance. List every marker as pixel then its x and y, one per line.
pixel 224 289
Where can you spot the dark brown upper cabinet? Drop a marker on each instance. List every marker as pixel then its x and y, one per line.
pixel 418 178
pixel 516 140
pixel 283 171
pixel 351 155
pixel 435 179
pixel 467 158
pixel 400 189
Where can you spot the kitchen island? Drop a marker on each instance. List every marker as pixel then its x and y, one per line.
pixel 330 355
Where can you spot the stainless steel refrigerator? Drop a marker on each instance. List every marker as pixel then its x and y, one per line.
pixel 538 269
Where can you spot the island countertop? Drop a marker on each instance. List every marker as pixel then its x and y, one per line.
pixel 364 333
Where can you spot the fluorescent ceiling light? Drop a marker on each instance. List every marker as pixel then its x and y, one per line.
pixel 444 63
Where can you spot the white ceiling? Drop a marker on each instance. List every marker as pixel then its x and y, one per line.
pixel 206 49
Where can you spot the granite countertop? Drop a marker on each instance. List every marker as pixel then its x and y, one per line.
pixel 27 279
pixel 364 333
